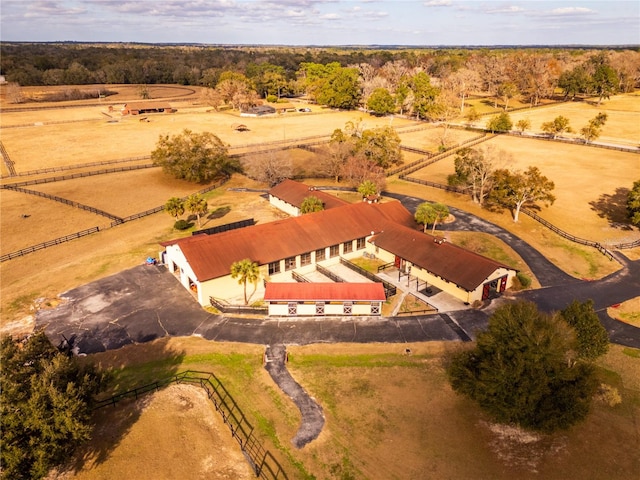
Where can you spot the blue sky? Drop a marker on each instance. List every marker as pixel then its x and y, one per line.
pixel 324 22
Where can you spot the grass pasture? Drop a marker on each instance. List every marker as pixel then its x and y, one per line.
pixel 45 221
pixel 622 126
pixel 388 415
pixel 591 179
pixel 122 194
pixel 429 139
pixel 591 184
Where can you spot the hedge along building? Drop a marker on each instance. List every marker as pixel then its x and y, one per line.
pixel 387 230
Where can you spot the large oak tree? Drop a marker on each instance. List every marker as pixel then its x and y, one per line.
pixel 524 370
pixel 195 157
pixel 45 405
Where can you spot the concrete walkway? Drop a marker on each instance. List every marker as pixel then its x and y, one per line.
pixel 312 417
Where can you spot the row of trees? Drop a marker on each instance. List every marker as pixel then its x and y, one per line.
pixel 427 83
pixel 559 125
pixel 194 204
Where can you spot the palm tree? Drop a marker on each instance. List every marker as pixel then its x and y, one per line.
pixel 245 271
pixel 174 207
pixel 311 204
pixel 431 213
pixel 367 189
pixel 197 205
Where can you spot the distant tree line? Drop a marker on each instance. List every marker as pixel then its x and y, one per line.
pixel 428 83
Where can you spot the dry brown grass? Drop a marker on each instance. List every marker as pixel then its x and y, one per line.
pixel 628 312
pixel 591 184
pixel 622 126
pixel 49 272
pixel 394 416
pixel 388 415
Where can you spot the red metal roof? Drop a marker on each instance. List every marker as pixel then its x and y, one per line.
pixel 294 193
pixel 324 292
pixel 455 264
pixel 211 256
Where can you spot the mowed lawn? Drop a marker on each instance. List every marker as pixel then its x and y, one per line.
pixel 591 183
pixel 388 416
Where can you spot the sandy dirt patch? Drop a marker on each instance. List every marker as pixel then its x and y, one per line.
pixel 174 433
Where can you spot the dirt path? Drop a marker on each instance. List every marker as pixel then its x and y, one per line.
pixel 311 411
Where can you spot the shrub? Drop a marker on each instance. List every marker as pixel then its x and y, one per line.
pixel 523 280
pixel 182 225
pixel 609 395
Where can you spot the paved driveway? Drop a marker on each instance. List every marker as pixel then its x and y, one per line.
pixel 147 302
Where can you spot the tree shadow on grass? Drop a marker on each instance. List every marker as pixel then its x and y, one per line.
pixel 613 208
pixel 131 367
pixel 219 212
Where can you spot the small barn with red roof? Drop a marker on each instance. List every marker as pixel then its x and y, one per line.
pixel 320 299
pixel 288 196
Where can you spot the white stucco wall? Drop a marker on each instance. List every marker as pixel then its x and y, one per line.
pixel 284 206
pixel 331 309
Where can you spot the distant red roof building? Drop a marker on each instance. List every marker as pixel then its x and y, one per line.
pixel 141 108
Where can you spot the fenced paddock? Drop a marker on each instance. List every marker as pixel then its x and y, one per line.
pixel 590 183
pixel 123 193
pixel 28 220
pixel 262 461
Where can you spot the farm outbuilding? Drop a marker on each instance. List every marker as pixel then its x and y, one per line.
pixel 324 299
pixel 143 108
pixel 258 111
pixel 288 196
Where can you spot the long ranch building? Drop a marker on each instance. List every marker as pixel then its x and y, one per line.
pixel 202 263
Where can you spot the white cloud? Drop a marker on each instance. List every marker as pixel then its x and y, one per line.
pixel 437 3
pixel 572 11
pixel 46 8
pixel 509 9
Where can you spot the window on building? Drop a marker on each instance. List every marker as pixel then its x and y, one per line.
pixel 319 308
pixel 375 308
pixel 305 259
pixel 334 250
pixel 347 247
pixel 361 243
pixel 274 267
pixel 321 254
pixel 290 263
pixel 348 308
pixel 292 308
